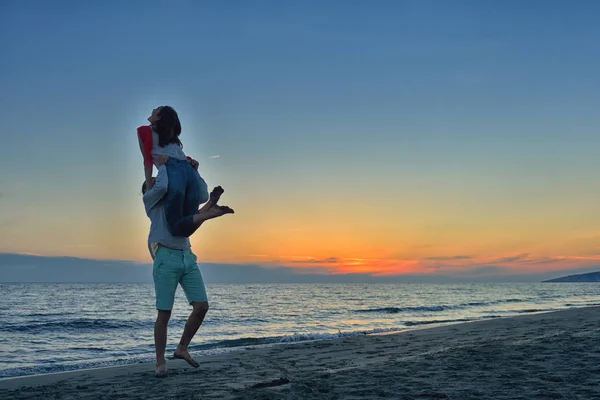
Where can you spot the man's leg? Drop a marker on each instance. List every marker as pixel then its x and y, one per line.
pixel 195 291
pixel 160 341
pixel 166 273
pixel 191 327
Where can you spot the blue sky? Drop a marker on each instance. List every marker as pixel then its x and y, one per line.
pixel 440 113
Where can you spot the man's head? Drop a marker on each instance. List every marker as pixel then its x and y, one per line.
pixel 145 187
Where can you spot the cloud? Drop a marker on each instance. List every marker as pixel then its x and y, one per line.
pixel 330 260
pixel 87 246
pixel 444 267
pixel 542 260
pixel 25 253
pixel 215 156
pixel 450 258
pixel 423 246
pixel 519 257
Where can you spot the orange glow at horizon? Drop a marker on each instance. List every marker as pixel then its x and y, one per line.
pixel 357 239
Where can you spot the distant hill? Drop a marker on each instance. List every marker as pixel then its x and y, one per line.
pixel 589 277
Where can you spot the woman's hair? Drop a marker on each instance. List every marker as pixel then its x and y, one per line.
pixel 168 127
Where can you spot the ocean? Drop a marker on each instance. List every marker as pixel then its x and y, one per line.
pixel 48 328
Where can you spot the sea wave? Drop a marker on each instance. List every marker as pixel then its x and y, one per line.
pixel 80 324
pixel 206 348
pixel 436 321
pixel 449 321
pixel 534 310
pixel 396 310
pixel 437 308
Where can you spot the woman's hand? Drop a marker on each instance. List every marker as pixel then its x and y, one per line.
pixel 150 183
pixel 194 163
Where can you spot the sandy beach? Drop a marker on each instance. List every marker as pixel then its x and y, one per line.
pixel 541 356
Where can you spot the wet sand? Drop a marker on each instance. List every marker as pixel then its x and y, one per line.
pixel 542 356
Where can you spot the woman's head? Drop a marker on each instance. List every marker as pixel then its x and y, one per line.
pixel 165 122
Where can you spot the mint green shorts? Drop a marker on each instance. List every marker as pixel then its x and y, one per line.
pixel 172 267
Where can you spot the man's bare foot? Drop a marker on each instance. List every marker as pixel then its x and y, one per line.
pixel 185 355
pixel 161 370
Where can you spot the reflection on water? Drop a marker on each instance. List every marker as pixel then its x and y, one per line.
pixel 52 327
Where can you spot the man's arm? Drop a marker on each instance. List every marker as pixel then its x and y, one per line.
pixel 156 193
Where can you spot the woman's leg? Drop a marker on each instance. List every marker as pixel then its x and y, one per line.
pixel 177 205
pixel 184 197
pixel 196 192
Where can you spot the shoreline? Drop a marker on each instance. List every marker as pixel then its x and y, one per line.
pixel 453 360
pixel 201 354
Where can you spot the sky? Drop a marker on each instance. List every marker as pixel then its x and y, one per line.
pixel 395 137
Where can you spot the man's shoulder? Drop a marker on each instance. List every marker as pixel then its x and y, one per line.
pixel 153 208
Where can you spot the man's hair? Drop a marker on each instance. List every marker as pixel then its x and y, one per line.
pixel 168 127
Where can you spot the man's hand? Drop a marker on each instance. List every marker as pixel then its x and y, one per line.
pixel 161 160
pixel 194 163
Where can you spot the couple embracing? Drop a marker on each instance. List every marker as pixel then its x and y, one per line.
pixel 173 202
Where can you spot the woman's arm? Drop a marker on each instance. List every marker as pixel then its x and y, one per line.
pixel 148 176
pixel 145 140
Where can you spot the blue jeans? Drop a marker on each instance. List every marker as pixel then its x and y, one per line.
pixel 187 190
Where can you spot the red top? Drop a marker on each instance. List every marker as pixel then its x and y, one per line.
pixel 145 137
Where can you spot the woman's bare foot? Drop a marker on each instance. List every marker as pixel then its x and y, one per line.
pixel 183 354
pixel 216 194
pixel 214 198
pixel 210 213
pixel 226 210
